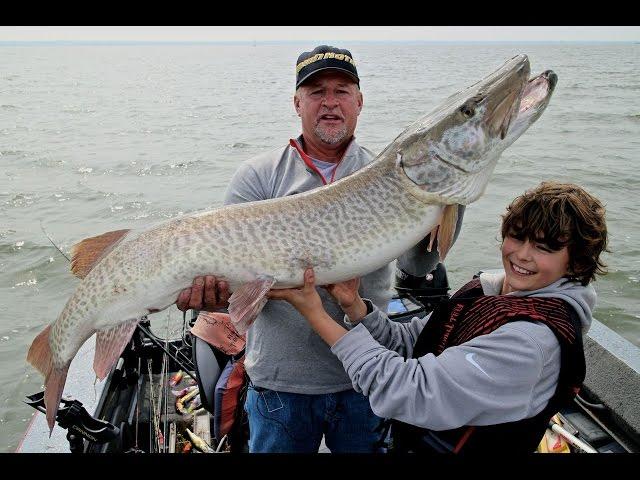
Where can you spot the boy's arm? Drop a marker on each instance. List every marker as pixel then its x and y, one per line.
pixel 496 378
pixel 396 336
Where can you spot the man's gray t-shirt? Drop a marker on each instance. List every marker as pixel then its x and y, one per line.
pixel 282 351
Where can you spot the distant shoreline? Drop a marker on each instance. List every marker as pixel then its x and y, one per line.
pixel 298 42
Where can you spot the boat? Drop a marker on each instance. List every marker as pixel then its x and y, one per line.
pixel 135 411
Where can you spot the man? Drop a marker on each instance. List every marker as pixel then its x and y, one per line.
pixel 298 389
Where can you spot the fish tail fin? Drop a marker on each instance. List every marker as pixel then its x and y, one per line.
pixel 110 344
pixel 41 358
pixel 53 387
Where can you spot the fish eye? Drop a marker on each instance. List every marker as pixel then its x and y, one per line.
pixel 467 110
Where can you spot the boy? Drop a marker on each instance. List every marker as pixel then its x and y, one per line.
pixel 498 359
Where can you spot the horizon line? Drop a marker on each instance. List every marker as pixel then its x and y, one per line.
pixel 256 42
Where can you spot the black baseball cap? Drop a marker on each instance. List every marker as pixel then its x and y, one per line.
pixel 322 58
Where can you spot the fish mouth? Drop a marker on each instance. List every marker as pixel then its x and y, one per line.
pixel 538 90
pixel 532 101
pixel 510 88
pixel 535 98
pixel 520 107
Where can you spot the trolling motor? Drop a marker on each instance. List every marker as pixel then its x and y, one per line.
pixel 79 423
pixel 428 290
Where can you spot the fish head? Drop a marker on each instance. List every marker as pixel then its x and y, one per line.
pixel 450 153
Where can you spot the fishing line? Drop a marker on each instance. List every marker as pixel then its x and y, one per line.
pixel 52 242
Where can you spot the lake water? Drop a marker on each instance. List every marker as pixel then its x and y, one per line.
pixel 102 137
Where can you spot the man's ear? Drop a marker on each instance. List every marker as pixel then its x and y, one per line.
pixel 296 103
pixel 360 101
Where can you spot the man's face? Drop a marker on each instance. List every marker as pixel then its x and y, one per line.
pixel 329 104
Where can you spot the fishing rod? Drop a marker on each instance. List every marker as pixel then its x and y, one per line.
pixel 185 365
pixel 587 408
pixel 573 440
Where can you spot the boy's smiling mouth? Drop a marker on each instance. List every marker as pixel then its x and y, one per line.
pixel 521 271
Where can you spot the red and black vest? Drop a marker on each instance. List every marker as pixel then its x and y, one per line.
pixel 470 313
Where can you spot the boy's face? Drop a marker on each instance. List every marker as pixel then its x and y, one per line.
pixel 531 265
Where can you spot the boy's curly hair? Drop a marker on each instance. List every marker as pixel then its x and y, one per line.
pixel 560 214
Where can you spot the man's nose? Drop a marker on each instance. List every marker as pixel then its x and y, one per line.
pixel 330 100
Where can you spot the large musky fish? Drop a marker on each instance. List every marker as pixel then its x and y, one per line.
pixel 343 230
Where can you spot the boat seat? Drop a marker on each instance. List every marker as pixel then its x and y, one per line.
pixel 209 363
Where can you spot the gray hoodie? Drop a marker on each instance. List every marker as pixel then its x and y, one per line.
pixel 507 375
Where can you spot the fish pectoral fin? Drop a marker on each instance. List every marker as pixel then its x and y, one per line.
pixel 110 344
pixel 447 229
pixel 432 237
pixel 433 234
pixel 86 253
pixel 247 301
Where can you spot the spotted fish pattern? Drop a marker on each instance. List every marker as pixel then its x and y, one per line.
pixel 343 230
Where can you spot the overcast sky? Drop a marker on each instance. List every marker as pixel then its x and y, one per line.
pixel 319 33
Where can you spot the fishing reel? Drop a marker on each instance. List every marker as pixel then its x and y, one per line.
pixel 74 418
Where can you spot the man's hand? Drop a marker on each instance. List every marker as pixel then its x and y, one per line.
pixel 206 293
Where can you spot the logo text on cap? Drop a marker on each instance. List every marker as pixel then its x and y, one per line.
pixel 322 56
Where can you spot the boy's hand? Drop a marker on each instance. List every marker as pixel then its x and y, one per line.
pixel 345 293
pixel 347 296
pixel 306 299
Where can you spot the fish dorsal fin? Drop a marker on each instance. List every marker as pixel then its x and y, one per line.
pixel 88 252
pixel 110 344
pixel 447 229
pixel 247 301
